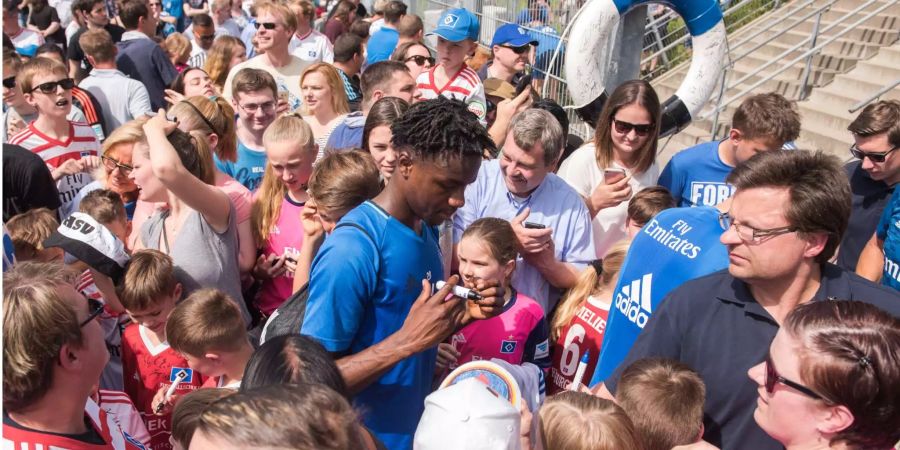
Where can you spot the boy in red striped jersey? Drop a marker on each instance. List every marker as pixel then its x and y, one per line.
pixel 457 37
pixel 70 149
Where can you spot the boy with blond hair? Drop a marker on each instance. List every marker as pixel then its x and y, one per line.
pixel 28 232
pixel 664 399
pixel 70 149
pixel 149 292
pixel 457 38
pixel 207 328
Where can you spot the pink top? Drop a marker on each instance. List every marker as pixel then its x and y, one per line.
pixel 286 236
pixel 517 335
pixel 239 195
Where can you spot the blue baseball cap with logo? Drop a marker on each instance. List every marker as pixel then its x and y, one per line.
pixel 456 25
pixel 513 35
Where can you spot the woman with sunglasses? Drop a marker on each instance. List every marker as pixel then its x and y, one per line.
pixel 619 162
pixel 416 57
pixel 832 378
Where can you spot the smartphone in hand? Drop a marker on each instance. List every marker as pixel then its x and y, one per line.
pixel 613 175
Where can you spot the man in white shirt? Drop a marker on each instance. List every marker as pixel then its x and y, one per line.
pixel 203 33
pixel 275 23
pixel 121 98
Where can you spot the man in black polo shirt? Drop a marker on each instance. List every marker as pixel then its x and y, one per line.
pixel 787 216
pixel 876 136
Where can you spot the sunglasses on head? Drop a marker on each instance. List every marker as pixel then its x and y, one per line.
pixel 9 83
pixel 518 50
pixel 772 377
pixel 421 60
pixel 857 153
pixel 626 127
pixel 50 86
pixel 267 25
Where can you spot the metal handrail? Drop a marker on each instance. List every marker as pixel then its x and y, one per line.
pixel 874 96
pixel 805 54
pixel 685 37
pixel 787 15
pixel 756 47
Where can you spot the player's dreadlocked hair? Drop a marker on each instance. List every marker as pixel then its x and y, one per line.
pixel 441 129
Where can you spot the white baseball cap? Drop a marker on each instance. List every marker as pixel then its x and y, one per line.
pixel 467 416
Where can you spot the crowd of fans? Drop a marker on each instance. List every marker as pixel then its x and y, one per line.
pixel 293 225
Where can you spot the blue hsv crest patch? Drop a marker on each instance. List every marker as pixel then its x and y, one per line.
pixel 173 374
pixel 507 347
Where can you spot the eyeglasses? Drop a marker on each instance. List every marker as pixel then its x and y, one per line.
pixel 626 127
pixel 266 107
pixel 750 234
pixel 267 25
pixel 420 60
pixel 111 165
pixel 50 86
pixel 773 377
pixel 856 152
pixel 9 83
pixel 96 308
pixel 518 50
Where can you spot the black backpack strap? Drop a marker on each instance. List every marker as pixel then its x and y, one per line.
pixel 368 235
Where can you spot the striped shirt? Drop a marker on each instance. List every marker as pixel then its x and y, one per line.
pixel 81 142
pixel 464 85
pixel 104 426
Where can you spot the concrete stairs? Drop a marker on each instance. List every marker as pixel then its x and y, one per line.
pixel 853 67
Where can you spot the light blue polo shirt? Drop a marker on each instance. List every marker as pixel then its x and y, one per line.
pixel 553 204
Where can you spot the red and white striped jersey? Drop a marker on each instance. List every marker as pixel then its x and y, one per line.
pixel 82 141
pixel 119 405
pixel 104 424
pixel 465 85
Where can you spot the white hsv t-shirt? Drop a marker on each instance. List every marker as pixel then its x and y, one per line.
pixel 581 171
pixel 312 48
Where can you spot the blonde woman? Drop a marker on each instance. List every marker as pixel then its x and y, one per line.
pixel 570 333
pixel 214 121
pixel 197 228
pixel 324 101
pixel 290 150
pixel 225 53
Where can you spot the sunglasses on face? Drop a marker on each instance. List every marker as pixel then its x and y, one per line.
pixel 50 86
pixel 111 164
pixel 772 377
pixel 9 83
pixel 95 308
pixel 626 127
pixel 267 25
pixel 421 60
pixel 857 153
pixel 518 50
pixel 207 37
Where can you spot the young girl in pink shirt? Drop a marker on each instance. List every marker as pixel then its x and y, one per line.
pixel 277 205
pixel 517 335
